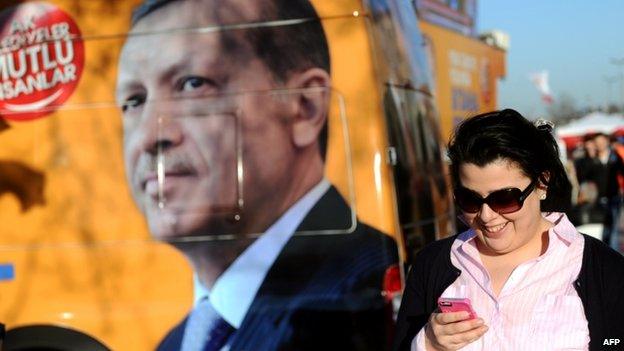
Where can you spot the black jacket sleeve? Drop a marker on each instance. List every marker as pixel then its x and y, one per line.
pixel 412 314
pixel 431 273
pixel 600 286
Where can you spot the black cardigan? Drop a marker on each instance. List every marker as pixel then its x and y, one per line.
pixel 600 286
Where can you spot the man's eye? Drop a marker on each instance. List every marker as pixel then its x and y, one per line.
pixel 132 101
pixel 193 83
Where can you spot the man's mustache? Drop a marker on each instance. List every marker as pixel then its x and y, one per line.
pixel 171 164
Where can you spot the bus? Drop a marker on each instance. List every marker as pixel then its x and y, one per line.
pixel 466 65
pixel 128 147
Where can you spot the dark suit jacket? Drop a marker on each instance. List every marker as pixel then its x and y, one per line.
pixel 323 292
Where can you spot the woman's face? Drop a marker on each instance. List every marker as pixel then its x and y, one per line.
pixel 503 233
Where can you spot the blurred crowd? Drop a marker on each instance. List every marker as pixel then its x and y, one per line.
pixel 596 170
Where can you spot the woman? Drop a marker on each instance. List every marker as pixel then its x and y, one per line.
pixel 534 282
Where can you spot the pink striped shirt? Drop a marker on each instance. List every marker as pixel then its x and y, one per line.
pixel 537 308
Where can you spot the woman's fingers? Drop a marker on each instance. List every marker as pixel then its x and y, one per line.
pixel 470 336
pixel 463 326
pixel 450 317
pixel 451 331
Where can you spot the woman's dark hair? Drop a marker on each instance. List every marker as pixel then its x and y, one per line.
pixel 507 135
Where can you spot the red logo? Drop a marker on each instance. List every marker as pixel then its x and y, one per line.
pixel 41 60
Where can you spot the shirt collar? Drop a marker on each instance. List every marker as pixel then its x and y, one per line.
pixel 562 229
pixel 249 269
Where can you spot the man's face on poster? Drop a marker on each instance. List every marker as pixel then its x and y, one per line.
pixel 203 134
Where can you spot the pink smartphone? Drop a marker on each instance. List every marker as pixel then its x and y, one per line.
pixel 456 305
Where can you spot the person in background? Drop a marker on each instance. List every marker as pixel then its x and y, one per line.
pixel 618 227
pixel 587 209
pixel 618 147
pixel 588 161
pixel 609 194
pixel 534 282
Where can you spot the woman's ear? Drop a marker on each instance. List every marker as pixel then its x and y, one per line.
pixel 542 184
pixel 312 89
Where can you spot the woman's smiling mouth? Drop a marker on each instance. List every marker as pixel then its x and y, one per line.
pixel 494 229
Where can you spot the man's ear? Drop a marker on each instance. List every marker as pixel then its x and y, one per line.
pixel 312 89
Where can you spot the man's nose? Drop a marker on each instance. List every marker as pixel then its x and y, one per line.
pixel 160 130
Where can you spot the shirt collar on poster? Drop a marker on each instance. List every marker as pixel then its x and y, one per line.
pixel 250 268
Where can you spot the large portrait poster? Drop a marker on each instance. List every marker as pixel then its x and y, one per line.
pixel 163 161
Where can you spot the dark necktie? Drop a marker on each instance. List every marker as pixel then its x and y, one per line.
pixel 205 329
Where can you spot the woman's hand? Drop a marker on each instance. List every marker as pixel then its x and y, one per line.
pixel 451 331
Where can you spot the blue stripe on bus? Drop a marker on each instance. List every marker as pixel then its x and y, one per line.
pixel 7 271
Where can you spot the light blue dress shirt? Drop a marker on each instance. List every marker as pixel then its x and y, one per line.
pixel 228 297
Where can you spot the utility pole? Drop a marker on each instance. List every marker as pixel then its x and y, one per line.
pixel 610 80
pixel 620 63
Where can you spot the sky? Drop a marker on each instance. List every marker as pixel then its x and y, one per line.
pixel 574 40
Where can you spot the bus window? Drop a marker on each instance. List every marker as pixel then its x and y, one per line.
pixel 422 199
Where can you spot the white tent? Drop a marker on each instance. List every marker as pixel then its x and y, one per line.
pixel 595 122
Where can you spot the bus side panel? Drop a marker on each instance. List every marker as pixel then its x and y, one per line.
pixel 466 71
pixel 80 249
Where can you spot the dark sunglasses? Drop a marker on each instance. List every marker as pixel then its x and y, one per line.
pixel 501 201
